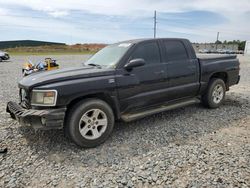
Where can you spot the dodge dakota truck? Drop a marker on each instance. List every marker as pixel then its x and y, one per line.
pixel 123 81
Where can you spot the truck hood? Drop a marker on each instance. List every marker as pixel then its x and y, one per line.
pixel 48 77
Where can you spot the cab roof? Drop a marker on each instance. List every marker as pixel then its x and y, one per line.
pixel 135 41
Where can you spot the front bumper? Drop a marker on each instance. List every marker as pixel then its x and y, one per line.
pixel 38 119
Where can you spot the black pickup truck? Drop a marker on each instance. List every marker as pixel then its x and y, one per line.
pixel 127 81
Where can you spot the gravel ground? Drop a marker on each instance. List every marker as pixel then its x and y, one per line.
pixel 187 147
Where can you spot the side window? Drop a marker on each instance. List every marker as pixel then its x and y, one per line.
pixel 148 51
pixel 175 50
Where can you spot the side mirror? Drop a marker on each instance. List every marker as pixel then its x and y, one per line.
pixel 134 63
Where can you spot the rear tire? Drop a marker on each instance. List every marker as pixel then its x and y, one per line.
pixel 89 123
pixel 215 93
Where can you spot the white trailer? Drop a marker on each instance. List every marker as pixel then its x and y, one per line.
pixel 247 48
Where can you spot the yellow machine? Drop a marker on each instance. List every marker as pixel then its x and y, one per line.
pixel 50 64
pixel 47 65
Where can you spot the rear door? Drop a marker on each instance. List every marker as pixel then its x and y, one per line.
pixel 143 85
pixel 182 70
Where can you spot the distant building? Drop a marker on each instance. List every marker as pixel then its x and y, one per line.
pixel 213 47
pixel 247 48
pixel 21 43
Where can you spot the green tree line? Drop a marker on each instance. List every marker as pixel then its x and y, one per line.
pixel 241 44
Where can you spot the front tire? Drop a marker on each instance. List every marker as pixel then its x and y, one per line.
pixel 215 93
pixel 89 123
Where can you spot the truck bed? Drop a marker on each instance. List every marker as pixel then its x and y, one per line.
pixel 226 65
pixel 215 57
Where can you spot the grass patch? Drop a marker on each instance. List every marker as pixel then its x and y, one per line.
pixel 50 53
pixel 78 49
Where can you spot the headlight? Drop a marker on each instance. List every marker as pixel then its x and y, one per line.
pixel 44 97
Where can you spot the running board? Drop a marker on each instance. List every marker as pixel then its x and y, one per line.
pixel 141 114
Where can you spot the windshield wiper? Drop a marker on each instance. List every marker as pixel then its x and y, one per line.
pixel 95 65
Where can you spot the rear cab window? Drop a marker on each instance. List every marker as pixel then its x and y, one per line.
pixel 148 51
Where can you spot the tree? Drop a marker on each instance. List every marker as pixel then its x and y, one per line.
pixel 241 44
pixel 218 42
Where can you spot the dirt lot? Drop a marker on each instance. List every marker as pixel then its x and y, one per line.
pixel 187 147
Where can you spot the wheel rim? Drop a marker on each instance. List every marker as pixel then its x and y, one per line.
pixel 218 93
pixel 93 124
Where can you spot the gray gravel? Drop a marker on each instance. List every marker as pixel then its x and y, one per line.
pixel 187 147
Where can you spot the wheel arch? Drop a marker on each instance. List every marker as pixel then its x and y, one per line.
pixel 110 100
pixel 221 75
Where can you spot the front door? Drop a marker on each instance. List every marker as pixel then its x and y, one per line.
pixel 142 86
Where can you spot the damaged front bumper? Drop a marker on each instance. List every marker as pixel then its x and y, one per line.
pixel 38 119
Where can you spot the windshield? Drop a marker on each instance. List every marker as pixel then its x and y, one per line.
pixel 109 56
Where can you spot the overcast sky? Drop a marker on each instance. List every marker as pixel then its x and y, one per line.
pixel 107 21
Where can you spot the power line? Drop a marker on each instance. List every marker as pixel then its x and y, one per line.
pixel 158 24
pixel 79 27
pixel 156 21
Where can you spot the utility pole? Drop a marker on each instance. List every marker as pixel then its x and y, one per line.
pixel 155 24
pixel 217 39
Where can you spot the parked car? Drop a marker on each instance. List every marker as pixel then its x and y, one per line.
pixel 219 51
pixel 4 56
pixel 213 51
pixel 204 51
pixel 123 81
